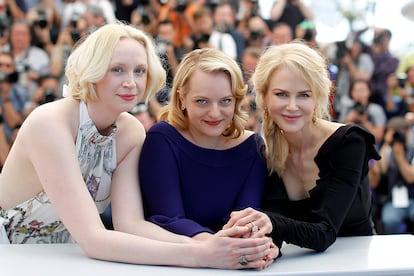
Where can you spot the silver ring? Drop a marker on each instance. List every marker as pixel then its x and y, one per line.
pixel 255 228
pixel 243 260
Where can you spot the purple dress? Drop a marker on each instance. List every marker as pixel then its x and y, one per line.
pixel 188 189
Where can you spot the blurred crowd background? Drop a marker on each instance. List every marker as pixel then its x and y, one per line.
pixel 368 46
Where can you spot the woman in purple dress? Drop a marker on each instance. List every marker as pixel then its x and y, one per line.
pixel 198 164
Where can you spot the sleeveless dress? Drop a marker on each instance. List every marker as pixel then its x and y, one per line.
pixel 35 220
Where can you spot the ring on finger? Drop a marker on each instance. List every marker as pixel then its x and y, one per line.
pixel 243 260
pixel 255 228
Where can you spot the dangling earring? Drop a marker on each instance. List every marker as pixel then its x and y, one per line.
pixel 182 107
pixel 266 114
pixel 314 118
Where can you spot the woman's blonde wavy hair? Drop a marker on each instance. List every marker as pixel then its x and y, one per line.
pixel 303 61
pixel 207 60
pixel 90 59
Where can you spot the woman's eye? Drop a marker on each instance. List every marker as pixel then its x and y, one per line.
pixel 140 71
pixel 201 101
pixel 117 69
pixel 305 94
pixel 280 94
pixel 227 101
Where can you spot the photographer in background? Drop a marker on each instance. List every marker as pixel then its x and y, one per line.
pixel 400 93
pixel 170 54
pixel 257 33
pixel 353 63
pixel 385 64
pixel 13 98
pixel 180 13
pixel 203 27
pixel 31 62
pixel 363 112
pixel 397 153
pixel 225 36
pixel 293 12
pixel 47 91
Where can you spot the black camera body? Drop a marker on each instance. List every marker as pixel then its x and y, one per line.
pixel 380 38
pixel 9 78
pixel 341 50
pixel 359 108
pixel 48 96
pixel 145 19
pixel 204 38
pixel 181 6
pixel 4 24
pixel 399 137
pixel 41 20
pixel 401 81
pixel 255 34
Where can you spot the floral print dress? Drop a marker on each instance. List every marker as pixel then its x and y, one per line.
pixel 35 220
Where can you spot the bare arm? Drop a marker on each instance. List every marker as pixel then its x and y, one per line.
pixel 15 11
pixel 52 144
pixel 277 9
pixel 406 169
pixel 306 11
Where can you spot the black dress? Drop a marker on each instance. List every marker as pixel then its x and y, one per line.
pixel 340 203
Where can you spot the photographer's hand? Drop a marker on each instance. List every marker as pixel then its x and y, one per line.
pixel 398 150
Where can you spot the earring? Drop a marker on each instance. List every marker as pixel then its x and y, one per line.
pixel 266 114
pixel 182 107
pixel 314 118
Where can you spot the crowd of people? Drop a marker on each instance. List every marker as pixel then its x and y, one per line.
pixel 278 102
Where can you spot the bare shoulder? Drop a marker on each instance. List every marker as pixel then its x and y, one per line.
pixel 330 128
pixel 58 116
pixel 129 127
pixel 130 133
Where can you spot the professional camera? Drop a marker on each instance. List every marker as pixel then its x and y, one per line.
pixel 4 24
pixel 213 4
pixel 380 38
pixel 402 79
pixel 255 34
pixel 399 137
pixel 341 50
pixel 41 20
pixel 181 6
pixel 360 108
pixel 74 19
pixel 48 95
pixel 204 38
pixel 9 78
pixel 254 10
pixel 145 19
pixel 75 35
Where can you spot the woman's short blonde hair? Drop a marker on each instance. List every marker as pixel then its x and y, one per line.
pixel 303 61
pixel 89 61
pixel 207 60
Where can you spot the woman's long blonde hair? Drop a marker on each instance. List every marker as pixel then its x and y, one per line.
pixel 305 62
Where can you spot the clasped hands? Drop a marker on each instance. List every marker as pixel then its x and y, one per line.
pixel 257 225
